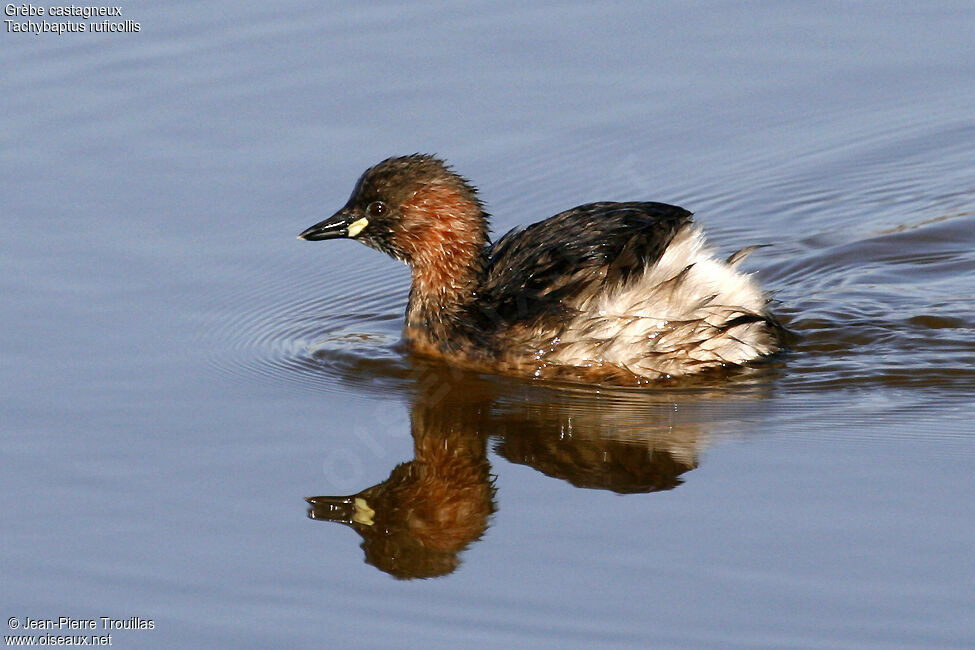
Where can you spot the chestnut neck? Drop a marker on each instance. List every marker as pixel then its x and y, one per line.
pixel 444 235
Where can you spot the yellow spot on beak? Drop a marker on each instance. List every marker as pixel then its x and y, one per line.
pixel 363 513
pixel 355 228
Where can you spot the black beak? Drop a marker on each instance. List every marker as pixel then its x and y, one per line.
pixel 334 227
pixel 340 509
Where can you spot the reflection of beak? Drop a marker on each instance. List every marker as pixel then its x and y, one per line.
pixel 335 227
pixel 340 509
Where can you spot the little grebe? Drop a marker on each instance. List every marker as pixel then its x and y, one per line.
pixel 613 292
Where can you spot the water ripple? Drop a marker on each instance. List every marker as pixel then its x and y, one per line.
pixel 315 333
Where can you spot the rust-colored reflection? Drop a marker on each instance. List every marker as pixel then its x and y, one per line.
pixel 417 522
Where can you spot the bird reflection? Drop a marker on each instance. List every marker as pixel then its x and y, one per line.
pixel 416 523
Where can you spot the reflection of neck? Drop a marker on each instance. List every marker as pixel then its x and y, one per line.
pixel 447 440
pixel 454 494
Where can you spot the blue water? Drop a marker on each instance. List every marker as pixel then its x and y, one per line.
pixel 179 372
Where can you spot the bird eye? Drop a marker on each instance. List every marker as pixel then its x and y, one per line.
pixel 376 209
